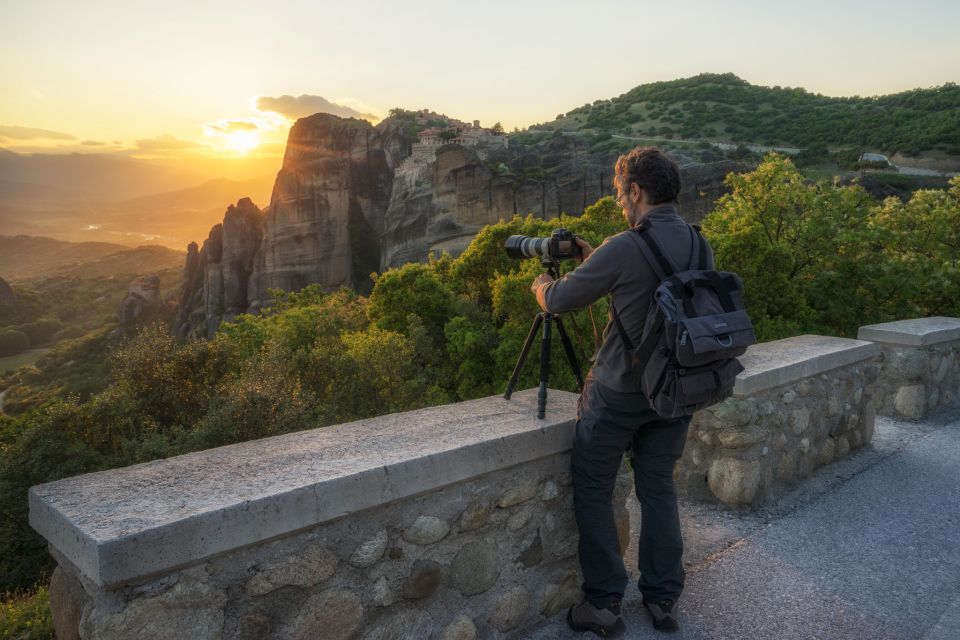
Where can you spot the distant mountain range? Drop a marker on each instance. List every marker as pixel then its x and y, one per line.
pixel 25 258
pixel 102 177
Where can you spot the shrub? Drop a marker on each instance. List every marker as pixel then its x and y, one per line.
pixel 13 342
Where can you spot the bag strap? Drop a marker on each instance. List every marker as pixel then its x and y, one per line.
pixel 645 350
pixel 703 266
pixel 623 332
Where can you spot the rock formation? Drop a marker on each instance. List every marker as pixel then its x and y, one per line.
pixel 7 297
pixel 142 293
pixel 352 199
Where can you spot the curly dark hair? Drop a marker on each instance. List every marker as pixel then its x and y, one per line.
pixel 653 171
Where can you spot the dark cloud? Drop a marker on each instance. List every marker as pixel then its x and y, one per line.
pixel 29 133
pixel 93 143
pixel 223 127
pixel 295 107
pixel 166 142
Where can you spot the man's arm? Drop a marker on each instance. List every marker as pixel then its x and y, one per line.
pixel 584 285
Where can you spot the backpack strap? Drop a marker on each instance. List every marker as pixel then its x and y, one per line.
pixel 703 266
pixel 645 350
pixel 628 343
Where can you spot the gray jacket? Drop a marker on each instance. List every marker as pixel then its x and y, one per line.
pixel 617 267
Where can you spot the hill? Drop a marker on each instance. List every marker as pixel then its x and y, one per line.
pixel 212 194
pixel 725 108
pixel 25 258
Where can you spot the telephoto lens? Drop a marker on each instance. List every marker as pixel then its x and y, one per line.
pixel 520 247
pixel 559 246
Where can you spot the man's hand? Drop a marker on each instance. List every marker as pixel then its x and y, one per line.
pixel 585 248
pixel 539 281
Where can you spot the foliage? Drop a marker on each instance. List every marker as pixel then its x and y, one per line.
pixel 13 341
pixel 824 258
pixel 725 107
pixel 26 616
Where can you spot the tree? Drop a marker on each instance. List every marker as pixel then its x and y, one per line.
pixel 497 129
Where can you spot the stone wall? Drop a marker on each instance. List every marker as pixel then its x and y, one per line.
pixel 921 366
pixel 800 404
pixel 211 545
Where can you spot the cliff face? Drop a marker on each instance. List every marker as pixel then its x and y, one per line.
pixel 327 209
pixel 352 199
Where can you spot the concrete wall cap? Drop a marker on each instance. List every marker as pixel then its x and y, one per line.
pixel 122 525
pixel 771 364
pixel 916 332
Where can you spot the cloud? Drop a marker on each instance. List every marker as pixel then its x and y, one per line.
pixel 166 142
pixel 224 127
pixel 29 133
pixel 93 143
pixel 294 107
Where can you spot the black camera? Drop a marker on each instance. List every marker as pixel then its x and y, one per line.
pixel 561 245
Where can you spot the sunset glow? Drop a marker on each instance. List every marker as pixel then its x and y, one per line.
pixel 365 62
pixel 243 141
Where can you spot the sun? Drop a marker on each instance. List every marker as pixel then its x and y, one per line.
pixel 242 141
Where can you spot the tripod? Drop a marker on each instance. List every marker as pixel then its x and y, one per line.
pixel 547 320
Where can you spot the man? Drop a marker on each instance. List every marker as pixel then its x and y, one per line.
pixel 613 415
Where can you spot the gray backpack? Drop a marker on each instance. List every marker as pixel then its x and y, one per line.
pixel 694 331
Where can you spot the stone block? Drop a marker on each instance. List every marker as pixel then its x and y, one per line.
pixel 426 530
pixel 827 451
pixel 189 609
pixel 910 365
pixel 843 447
pixel 382 595
pixel 67 599
pixel 509 609
pixel 558 597
pixel 734 412
pixel 532 554
pixel 425 576
pixel 734 481
pixel 910 401
pixel 917 332
pixel 475 568
pixel 799 421
pixel 475 515
pixel 307 568
pixel 460 629
pixel 780 362
pixel 370 550
pixel 869 420
pixel 741 438
pixel 519 493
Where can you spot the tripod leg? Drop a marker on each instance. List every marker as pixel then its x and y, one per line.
pixel 544 366
pixel 523 356
pixel 571 354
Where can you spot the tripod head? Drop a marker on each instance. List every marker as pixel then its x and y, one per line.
pixel 551 266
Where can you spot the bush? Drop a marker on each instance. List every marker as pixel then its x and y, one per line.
pixel 26 616
pixel 13 342
pixel 40 331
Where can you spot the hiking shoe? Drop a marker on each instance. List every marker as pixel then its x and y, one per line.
pixel 664 613
pixel 606 623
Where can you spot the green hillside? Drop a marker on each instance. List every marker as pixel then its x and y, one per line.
pixel 725 108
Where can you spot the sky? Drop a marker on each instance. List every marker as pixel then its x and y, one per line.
pixel 220 78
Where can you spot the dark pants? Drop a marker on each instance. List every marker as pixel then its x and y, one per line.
pixel 609 423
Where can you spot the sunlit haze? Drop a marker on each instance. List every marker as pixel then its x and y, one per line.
pixel 190 80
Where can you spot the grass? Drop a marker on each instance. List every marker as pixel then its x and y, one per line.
pixel 12 363
pixel 26 616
